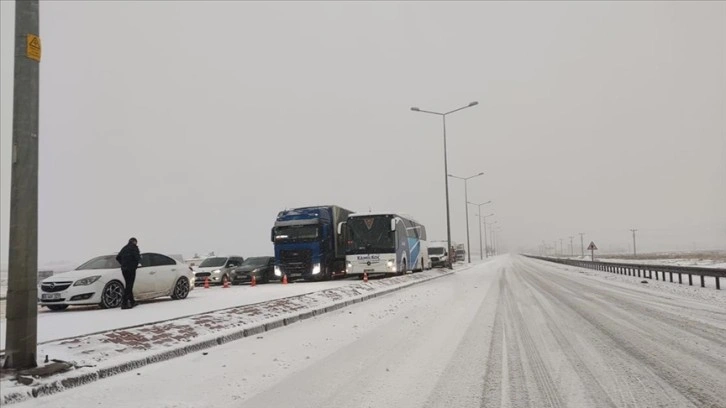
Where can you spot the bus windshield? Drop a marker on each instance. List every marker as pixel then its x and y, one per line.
pixel 370 235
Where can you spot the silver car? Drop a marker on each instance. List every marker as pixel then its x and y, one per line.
pixel 216 269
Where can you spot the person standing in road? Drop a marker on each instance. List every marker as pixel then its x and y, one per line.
pixel 129 258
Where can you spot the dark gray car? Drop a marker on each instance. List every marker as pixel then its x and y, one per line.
pixel 261 267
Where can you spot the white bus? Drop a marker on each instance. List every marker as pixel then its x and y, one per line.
pixel 384 243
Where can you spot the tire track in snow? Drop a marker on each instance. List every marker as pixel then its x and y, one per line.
pixel 595 389
pixel 639 338
pixel 492 395
pixel 545 384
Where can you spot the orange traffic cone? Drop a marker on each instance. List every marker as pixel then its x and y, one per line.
pixel 365 276
pixel 206 283
pixel 253 282
pixel 225 282
pixel 284 279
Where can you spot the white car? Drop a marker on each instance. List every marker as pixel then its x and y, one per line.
pixel 100 282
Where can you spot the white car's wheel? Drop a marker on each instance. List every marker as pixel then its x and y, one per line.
pixel 112 295
pixel 181 289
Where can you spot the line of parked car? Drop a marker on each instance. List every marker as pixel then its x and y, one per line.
pixel 100 282
pixel 234 269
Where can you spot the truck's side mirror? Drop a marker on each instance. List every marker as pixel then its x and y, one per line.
pixel 340 227
pixel 272 235
pixel 393 224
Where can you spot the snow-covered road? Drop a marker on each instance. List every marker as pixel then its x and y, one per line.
pixel 512 332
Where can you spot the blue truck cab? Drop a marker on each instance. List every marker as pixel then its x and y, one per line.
pixel 307 242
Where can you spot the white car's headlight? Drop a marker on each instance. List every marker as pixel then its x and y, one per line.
pixel 217 271
pixel 316 269
pixel 278 272
pixel 87 281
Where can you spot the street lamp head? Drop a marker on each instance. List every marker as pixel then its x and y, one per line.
pixel 474 103
pixel 480 174
pixel 415 109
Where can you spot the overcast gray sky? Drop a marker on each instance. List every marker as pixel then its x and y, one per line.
pixel 191 124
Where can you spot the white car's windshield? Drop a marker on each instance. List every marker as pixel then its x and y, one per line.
pixel 213 262
pixel 101 262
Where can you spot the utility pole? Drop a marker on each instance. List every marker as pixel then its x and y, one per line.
pixel 486 247
pixel 22 299
pixel 572 248
pixel 562 251
pixel 494 242
pixel 634 252
pixel 582 243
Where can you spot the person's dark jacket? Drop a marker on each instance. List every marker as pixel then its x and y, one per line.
pixel 129 257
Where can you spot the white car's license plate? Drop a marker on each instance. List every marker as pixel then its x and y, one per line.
pixel 50 296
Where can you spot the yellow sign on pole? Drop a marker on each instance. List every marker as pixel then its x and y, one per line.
pixel 32 49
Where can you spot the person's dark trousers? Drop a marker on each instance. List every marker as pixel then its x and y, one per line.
pixel 129 277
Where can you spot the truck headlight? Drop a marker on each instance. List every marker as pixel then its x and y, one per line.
pixel 348 266
pixel 278 272
pixel 87 281
pixel 389 264
pixel 316 269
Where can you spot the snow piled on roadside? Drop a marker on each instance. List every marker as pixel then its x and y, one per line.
pixel 104 354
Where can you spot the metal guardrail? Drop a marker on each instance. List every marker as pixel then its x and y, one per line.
pixel 646 270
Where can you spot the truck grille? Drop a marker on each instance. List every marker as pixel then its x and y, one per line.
pixel 296 262
pixel 54 286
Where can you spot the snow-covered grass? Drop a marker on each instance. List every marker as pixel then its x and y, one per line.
pixel 78 320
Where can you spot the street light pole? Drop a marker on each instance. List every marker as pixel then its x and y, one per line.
pixel 486 249
pixel 22 300
pixel 481 254
pixel 633 231
pixel 466 208
pixel 491 238
pixel 446 166
pixel 582 243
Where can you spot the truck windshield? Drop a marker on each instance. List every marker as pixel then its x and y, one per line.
pixel 436 251
pixel 370 235
pixel 290 233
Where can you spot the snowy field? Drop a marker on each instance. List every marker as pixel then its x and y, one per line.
pixel 78 320
pixel 698 262
pixel 508 333
pixel 705 259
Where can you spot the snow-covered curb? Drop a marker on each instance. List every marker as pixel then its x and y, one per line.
pixel 109 353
